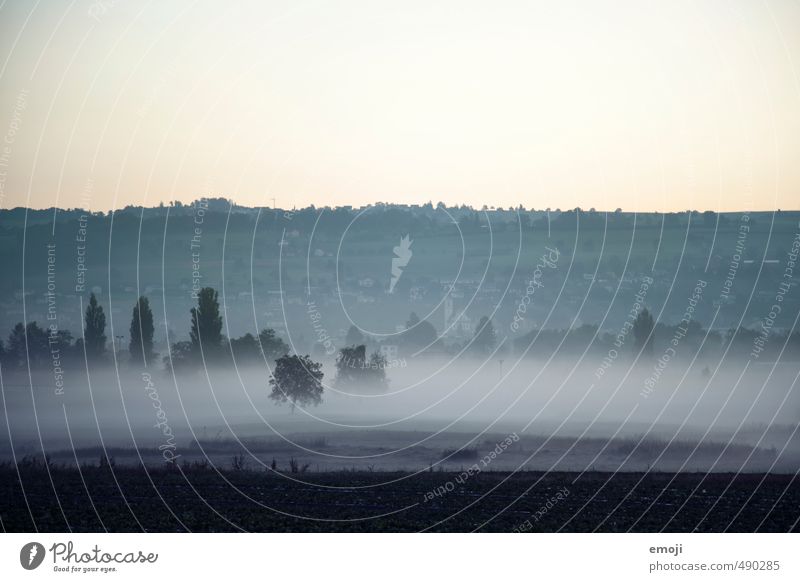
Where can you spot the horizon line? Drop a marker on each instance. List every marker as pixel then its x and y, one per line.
pixel 378 204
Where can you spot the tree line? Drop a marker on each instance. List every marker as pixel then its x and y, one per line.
pixel 295 379
pixel 648 338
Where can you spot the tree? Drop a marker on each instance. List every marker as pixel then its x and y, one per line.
pixel 141 345
pixel 245 348
pixel 354 336
pixel 17 352
pixel 94 329
pixel 266 346
pixel 353 369
pixel 297 380
pixel 61 341
pixel 27 343
pixel 642 331
pixel 419 334
pixel 350 361
pixel 272 347
pixel 38 347
pixel 485 336
pixel 206 332
pixel 43 344
pixel 179 357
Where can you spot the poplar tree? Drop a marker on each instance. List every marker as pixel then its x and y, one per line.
pixel 94 329
pixel 141 332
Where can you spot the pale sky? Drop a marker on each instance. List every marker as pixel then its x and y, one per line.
pixel 640 105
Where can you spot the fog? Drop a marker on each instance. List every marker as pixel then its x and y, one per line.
pixel 723 417
pixel 606 341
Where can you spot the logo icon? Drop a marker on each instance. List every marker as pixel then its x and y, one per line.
pixel 31 555
pixel 400 260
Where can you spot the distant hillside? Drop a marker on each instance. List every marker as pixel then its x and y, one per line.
pixel 271 264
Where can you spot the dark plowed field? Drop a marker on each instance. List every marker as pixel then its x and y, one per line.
pixel 130 499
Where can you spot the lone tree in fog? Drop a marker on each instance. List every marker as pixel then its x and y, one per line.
pixel 485 336
pixel 206 332
pixel 643 332
pixel 297 380
pixel 94 329
pixel 141 345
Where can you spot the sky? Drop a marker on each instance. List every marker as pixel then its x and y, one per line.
pixel 639 105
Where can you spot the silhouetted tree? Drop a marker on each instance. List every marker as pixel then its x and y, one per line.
pixel 94 329
pixel 180 355
pixel 206 332
pixel 267 346
pixel 485 336
pixel 642 332
pixel 245 349
pixel 353 369
pixel 141 345
pixel 272 346
pixel 419 334
pixel 354 336
pixel 36 345
pixel 297 380
pixel 17 352
pixel 38 349
pixel 61 340
pixel 349 362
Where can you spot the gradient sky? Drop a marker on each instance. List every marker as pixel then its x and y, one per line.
pixel 640 105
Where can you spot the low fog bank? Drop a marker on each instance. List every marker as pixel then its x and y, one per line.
pixel 435 413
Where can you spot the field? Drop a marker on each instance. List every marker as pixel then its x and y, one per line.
pixel 199 498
